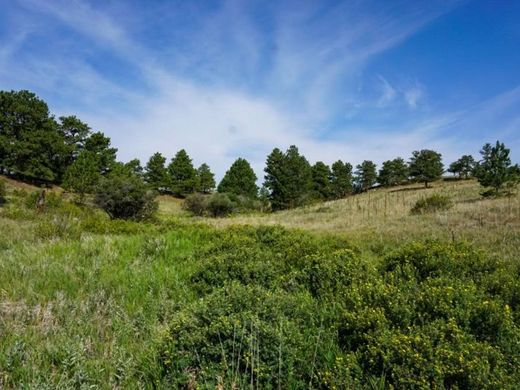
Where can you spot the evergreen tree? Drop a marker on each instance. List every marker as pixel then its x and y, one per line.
pixel 183 177
pixel 463 167
pixel 82 175
pixel 495 169
pixel 321 177
pixel 240 179
pixel 134 166
pixel 426 166
pixel 366 175
pixel 155 173
pixel 341 179
pixel 393 172
pixel 288 178
pixel 205 179
pixel 274 179
pixel 31 146
pixel 105 156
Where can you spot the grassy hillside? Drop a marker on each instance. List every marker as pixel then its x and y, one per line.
pixel 371 301
pixel 383 215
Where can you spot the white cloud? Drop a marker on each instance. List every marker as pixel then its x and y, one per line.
pixel 388 93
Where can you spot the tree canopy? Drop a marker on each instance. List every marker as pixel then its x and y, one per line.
pixel 393 172
pixel 495 169
pixel 366 175
pixel 426 166
pixel 183 177
pixel 240 179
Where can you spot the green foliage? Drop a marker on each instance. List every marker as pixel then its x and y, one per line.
pixel 426 166
pixel 288 177
pixel 125 196
pixel 240 179
pixel 82 176
pixel 31 147
pixel 495 169
pixel 205 179
pixel 321 186
pixel 431 204
pixel 156 174
pixel 219 205
pixel 393 172
pixel 197 204
pixel 463 167
pixel 366 175
pixel 183 177
pixel 341 179
pixel 104 155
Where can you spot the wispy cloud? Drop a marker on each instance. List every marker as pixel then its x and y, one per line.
pixel 234 79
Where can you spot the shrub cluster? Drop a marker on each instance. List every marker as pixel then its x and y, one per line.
pixel 431 204
pixel 279 308
pixel 221 205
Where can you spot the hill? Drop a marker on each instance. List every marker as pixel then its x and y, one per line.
pixel 356 293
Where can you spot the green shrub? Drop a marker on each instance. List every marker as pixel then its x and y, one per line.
pixel 219 205
pixel 433 203
pixel 196 204
pixel 53 200
pixel 125 197
pixel 240 335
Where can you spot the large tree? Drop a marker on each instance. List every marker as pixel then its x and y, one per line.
pixel 82 175
pixel 463 167
pixel 31 146
pixel 240 179
pixel 288 178
pixel 341 179
pixel 105 155
pixel 155 173
pixel 393 172
pixel 495 169
pixel 321 185
pixel 183 177
pixel 366 175
pixel 426 166
pixel 205 179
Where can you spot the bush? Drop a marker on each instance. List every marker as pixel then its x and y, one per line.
pixel 220 205
pixel 3 192
pixel 432 204
pixel 125 197
pixel 197 204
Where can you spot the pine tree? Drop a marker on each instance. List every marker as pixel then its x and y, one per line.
pixel 240 179
pixel 366 175
pixel 82 175
pixel 393 172
pixel 31 146
pixel 205 179
pixel 274 179
pixel 426 166
pixel 105 156
pixel 155 173
pixel 463 167
pixel 495 169
pixel 341 179
pixel 182 175
pixel 321 176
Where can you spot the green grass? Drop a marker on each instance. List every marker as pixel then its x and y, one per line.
pixel 86 302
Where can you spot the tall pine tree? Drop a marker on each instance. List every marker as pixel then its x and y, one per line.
pixel 341 179
pixel 366 175
pixel 240 179
pixel 156 174
pixel 183 177
pixel 205 179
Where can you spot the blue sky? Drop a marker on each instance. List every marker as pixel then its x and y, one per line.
pixel 348 80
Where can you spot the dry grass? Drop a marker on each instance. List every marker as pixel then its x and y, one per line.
pixel 384 215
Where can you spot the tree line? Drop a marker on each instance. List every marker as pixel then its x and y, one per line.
pixel 37 147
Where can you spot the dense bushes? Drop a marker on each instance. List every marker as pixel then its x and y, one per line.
pixel 430 204
pixel 283 308
pixel 220 205
pixel 125 197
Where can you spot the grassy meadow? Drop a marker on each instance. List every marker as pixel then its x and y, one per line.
pixel 355 293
